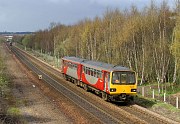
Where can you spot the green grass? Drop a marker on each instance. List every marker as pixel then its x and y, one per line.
pixel 2 39
pixel 145 102
pixel 15 112
pixel 166 106
pixel 7 95
pixel 152 103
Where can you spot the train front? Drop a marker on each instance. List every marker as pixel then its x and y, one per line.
pixel 123 85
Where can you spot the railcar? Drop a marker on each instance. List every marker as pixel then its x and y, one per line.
pixel 113 83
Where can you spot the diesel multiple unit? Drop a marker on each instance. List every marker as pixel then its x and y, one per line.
pixel 113 83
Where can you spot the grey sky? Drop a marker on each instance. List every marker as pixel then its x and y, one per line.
pixel 33 15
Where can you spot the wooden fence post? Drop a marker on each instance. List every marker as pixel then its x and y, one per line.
pixel 164 97
pixel 153 93
pixel 177 102
pixel 143 91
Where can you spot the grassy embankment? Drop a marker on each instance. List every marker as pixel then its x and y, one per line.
pixel 158 105
pixel 9 111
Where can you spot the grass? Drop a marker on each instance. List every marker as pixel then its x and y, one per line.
pixel 6 94
pixel 145 102
pixel 15 112
pixel 3 78
pixel 152 103
pixel 166 106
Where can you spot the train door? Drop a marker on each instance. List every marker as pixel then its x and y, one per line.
pixel 106 81
pixel 79 70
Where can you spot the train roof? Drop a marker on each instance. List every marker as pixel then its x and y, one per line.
pixel 73 59
pixel 104 66
pixel 97 65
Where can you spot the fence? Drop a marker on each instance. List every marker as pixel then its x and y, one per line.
pixel 47 57
pixel 152 93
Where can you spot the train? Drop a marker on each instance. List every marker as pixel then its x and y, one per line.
pixel 111 82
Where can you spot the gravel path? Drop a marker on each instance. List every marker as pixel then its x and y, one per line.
pixel 34 106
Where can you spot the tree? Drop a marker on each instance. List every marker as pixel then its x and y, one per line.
pixel 175 50
pixel 26 40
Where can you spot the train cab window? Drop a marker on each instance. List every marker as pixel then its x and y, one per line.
pixel 123 78
pixel 131 78
pixel 116 78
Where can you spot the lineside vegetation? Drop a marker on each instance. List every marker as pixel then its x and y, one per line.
pixel 9 113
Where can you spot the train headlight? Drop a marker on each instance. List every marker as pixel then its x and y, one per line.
pixel 133 90
pixel 112 89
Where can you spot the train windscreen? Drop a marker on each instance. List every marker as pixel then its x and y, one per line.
pixel 123 78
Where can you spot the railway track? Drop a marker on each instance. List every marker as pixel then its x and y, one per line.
pixel 104 111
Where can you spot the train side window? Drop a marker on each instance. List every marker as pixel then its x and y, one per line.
pixel 65 63
pixel 91 72
pixel 75 65
pixel 86 70
pixel 71 65
pixel 99 74
pixel 94 72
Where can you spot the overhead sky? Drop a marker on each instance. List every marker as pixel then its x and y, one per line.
pixel 33 15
